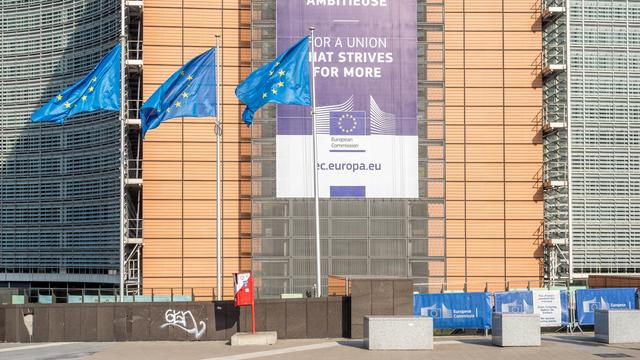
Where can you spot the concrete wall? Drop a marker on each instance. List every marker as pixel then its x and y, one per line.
pixel 292 319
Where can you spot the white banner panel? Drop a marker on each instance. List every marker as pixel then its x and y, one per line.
pixel 548 305
pixel 366 108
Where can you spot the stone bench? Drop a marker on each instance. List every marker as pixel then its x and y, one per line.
pixel 515 329
pixel 617 326
pixel 398 333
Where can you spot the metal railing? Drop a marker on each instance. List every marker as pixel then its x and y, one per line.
pixel 134 50
pixel 546 4
pixel 134 168
pixel 554 113
pixel 554 55
pixel 135 228
pixel 109 295
pixel 133 108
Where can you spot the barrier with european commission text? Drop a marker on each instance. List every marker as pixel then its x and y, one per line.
pixel 551 305
pixel 455 310
pixel 590 300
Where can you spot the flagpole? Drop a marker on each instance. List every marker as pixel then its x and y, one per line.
pixel 218 131
pixel 123 47
pixel 315 164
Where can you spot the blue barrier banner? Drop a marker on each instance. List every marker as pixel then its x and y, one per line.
pixel 564 298
pixel 455 311
pixel 514 302
pixel 551 305
pixel 587 301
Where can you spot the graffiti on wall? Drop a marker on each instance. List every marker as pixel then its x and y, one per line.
pixel 186 321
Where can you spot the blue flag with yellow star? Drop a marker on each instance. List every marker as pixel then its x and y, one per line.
pixel 190 91
pixel 98 90
pixel 283 81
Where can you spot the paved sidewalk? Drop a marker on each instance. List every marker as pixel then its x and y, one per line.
pixel 563 347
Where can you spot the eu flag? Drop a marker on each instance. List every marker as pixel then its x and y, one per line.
pixel 190 91
pixel 283 81
pixel 98 90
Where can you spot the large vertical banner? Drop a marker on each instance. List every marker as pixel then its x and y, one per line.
pixel 366 97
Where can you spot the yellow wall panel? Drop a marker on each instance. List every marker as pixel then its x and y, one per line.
pixel 483 172
pixel 479 40
pixel 529 267
pixel 485 210
pixel 485 229
pixel 524 210
pixel 485 248
pixel 485 267
pixel 162 248
pixel 162 170
pixel 485 191
pixel 158 189
pixel 163 209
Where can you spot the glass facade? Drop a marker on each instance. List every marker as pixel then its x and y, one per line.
pixel 376 237
pixel 59 185
pixel 605 135
pixel 592 212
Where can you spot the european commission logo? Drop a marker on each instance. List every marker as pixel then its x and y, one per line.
pixel 347 123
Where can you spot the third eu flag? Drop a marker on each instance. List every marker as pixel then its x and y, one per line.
pixel 190 91
pixel 285 80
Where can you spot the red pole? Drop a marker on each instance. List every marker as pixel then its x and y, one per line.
pixel 253 318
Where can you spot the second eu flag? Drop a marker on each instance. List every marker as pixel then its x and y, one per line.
pixel 285 80
pixel 189 92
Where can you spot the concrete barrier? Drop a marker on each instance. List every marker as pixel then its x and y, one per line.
pixel 398 333
pixel 617 326
pixel 509 329
pixel 173 321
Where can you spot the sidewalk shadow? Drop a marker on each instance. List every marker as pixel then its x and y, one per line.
pixel 358 344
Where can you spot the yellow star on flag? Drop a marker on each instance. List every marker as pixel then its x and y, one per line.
pixel 67 105
pixel 59 97
pixel 277 63
pixel 91 89
pixel 264 95
pixel 281 72
pixel 281 84
pixel 185 94
pixel 182 72
pixel 189 77
pixel 94 79
pixel 274 91
pixel 270 72
pixel 168 110
pixel 178 104
pixel 84 97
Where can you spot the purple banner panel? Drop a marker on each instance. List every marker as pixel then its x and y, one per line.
pixel 366 63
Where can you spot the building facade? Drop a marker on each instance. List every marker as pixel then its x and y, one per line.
pixel 477 222
pixel 591 152
pixel 70 208
pixel 60 185
pixel 75 197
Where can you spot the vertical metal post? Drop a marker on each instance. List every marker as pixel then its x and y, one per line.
pixel 123 157
pixel 218 131
pixel 315 164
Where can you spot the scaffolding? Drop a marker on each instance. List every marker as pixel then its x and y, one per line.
pixel 132 154
pixel 555 142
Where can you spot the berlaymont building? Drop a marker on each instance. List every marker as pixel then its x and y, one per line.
pixel 523 166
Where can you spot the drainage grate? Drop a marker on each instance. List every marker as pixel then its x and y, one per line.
pixel 613 356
